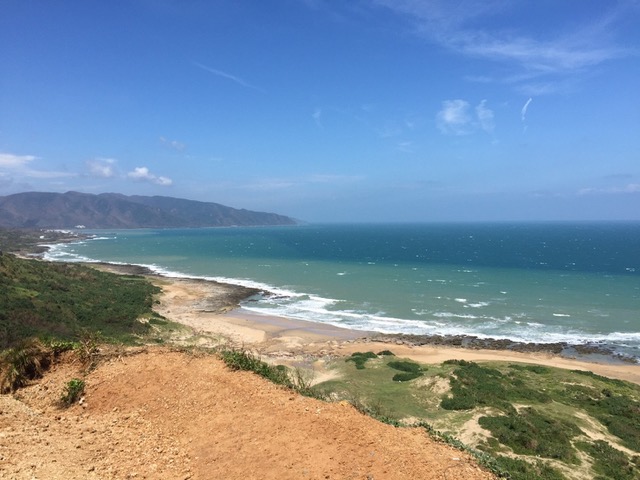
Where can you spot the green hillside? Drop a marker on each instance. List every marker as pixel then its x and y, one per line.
pixel 61 301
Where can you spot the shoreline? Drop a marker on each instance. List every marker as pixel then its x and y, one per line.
pixel 215 308
pixel 236 294
pixel 189 302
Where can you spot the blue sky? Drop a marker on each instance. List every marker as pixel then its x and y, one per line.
pixel 366 110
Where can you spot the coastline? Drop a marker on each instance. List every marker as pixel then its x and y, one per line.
pixel 213 308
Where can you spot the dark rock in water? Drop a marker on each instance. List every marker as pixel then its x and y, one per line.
pixel 473 342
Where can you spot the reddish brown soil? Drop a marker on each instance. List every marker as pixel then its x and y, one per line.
pixel 160 414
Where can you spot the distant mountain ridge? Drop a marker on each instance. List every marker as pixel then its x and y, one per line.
pixel 113 210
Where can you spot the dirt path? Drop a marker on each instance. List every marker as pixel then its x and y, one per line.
pixel 168 415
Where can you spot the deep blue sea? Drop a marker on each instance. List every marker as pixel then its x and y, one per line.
pixel 545 282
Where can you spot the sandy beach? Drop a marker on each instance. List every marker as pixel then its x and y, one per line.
pixel 208 308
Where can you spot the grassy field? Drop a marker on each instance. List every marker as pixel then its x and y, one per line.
pixel 539 422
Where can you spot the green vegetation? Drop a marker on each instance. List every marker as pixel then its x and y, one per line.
pixel 473 386
pixel 388 353
pixel 72 392
pixel 536 422
pixel 530 432
pixel 360 358
pixel 49 308
pixel 524 470
pixel 411 370
pixel 59 301
pixel 239 359
pixel 610 462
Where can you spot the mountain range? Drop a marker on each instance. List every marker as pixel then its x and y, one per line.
pixel 113 210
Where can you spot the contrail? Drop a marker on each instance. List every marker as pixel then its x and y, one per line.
pixel 226 75
pixel 523 114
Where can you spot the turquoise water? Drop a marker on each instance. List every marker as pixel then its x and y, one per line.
pixel 576 283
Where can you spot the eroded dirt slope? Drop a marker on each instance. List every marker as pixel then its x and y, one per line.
pixel 160 414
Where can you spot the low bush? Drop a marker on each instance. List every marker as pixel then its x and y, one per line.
pixel 387 353
pixel 73 390
pixel 523 470
pixel 360 358
pixel 406 376
pixel 608 461
pixel 296 379
pixel 405 366
pixel 529 432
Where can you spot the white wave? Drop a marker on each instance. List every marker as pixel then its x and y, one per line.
pixel 460 300
pixel 561 315
pixel 454 315
pixel 478 304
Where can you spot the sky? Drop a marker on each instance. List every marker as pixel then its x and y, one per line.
pixel 327 110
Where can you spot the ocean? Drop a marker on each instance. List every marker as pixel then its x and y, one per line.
pixel 545 282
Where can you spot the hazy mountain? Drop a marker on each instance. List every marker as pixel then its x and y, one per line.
pixel 112 210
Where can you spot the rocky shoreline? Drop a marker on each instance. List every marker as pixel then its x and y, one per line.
pixel 566 350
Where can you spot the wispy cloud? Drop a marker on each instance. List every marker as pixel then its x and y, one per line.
pixel 102 167
pixel 456 117
pixel 18 165
pixel 173 144
pixel 280 183
pixel 485 117
pixel 227 76
pixel 629 188
pixel 523 113
pixel 12 161
pixel 317 115
pixel 143 174
pixel 487 30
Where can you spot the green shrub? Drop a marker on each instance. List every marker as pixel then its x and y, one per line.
pixel 243 360
pixel 473 385
pixel 58 300
pixel 387 353
pixel 360 358
pixel 405 366
pixel 608 461
pixel 406 376
pixel 279 374
pixel 528 432
pixel 523 470
pixel 72 392
pixel 539 369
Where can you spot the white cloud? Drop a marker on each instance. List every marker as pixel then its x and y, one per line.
pixel 485 117
pixel 143 174
pixel 11 161
pixel 456 117
pixel 102 167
